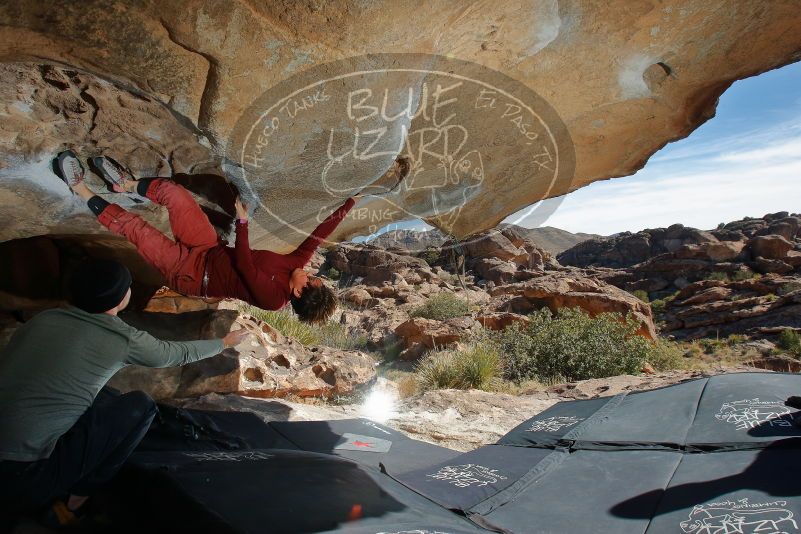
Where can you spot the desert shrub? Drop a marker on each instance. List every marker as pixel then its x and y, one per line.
pixel 736 339
pixel 666 355
pixel 407 386
pixel 285 322
pixel 335 335
pixel 717 275
pixel 790 340
pixel 443 305
pixel 430 255
pixel 641 294
pixel 476 366
pixel 789 288
pixel 574 346
pixel 710 345
pixel 658 305
pixel 328 334
pixel 736 276
pixel 770 297
pixel 391 351
pixel 333 274
pixel 437 370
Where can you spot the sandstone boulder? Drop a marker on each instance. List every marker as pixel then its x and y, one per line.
pixel 717 308
pixel 501 320
pixel 265 364
pixel 495 270
pixel 358 296
pixel 376 265
pixel 431 334
pixel 772 247
pixel 717 251
pixel 494 244
pixel 765 266
pixel 571 290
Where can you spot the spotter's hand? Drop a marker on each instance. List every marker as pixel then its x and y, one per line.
pixel 235 337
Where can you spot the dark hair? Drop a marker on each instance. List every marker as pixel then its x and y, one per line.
pixel 315 304
pixel 97 286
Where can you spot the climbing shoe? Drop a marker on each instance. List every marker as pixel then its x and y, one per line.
pixel 68 167
pixel 112 172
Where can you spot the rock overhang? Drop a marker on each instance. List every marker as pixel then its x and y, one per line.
pixel 624 79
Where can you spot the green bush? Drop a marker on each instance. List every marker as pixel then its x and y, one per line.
pixel 641 294
pixel 442 306
pixel 717 275
pixel 333 274
pixel 666 355
pixel 574 346
pixel 475 367
pixel 430 255
pixel 790 340
pixel 658 305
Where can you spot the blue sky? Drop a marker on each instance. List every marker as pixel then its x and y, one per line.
pixel 746 161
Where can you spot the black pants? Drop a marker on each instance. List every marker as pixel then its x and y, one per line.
pixel 86 457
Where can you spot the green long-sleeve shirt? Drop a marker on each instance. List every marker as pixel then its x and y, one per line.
pixel 55 365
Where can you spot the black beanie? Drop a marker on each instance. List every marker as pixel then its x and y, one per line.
pixel 99 285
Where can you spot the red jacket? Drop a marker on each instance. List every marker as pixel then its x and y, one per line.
pixel 261 277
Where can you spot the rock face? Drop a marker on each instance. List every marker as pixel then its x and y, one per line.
pixel 420 335
pixel 375 264
pixel 605 69
pixel 563 290
pixel 737 250
pixel 265 364
pixel 627 249
pixel 715 308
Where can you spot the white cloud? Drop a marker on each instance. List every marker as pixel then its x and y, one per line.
pixel 695 182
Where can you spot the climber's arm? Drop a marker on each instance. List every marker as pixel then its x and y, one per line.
pixel 306 249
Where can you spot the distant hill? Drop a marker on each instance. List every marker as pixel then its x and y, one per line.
pixel 555 240
pixel 409 239
pixel 551 239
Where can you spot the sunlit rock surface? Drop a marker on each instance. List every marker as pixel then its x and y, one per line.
pixel 171 87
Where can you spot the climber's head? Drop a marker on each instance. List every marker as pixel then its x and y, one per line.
pixel 312 300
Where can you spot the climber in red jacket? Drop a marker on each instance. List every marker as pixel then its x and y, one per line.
pixel 197 263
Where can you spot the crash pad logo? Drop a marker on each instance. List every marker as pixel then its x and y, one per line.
pixel 750 413
pixel 554 424
pixel 740 517
pixel 467 475
pixel 225 456
pixel 457 130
